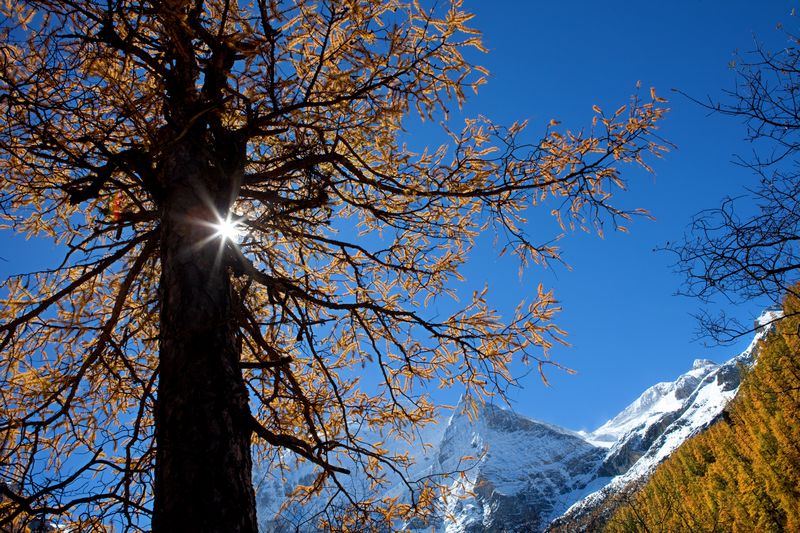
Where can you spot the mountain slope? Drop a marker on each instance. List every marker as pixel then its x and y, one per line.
pixel 743 473
pixel 656 424
pixel 510 473
pixel 519 469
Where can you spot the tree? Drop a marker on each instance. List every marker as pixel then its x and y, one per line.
pixel 747 248
pixel 741 473
pixel 201 163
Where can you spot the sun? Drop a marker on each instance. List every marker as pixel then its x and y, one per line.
pixel 228 229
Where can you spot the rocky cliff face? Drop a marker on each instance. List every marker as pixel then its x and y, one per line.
pixel 519 472
pixel 511 473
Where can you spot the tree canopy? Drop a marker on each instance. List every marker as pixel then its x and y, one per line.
pixel 244 228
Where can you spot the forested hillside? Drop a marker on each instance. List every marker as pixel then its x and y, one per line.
pixel 743 473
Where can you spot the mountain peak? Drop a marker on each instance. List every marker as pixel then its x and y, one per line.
pixel 702 363
pixel 514 468
pixel 501 471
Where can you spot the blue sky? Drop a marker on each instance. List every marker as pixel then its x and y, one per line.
pixel 556 59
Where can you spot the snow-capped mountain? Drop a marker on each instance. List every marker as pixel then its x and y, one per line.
pixel 649 408
pixel 511 473
pixel 659 421
pixel 519 471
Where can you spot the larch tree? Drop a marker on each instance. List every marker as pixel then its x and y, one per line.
pixel 244 227
pixel 743 472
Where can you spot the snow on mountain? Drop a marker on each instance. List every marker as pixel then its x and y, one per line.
pixel 651 406
pixel 515 472
pixel 510 473
pixel 501 472
pixel 660 420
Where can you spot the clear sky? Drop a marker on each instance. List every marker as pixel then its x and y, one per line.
pixel 555 59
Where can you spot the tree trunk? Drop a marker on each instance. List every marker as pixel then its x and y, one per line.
pixel 203 464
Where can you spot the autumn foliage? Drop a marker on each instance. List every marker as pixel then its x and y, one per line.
pixel 137 371
pixel 743 473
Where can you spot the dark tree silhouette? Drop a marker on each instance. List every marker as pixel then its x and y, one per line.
pixel 749 247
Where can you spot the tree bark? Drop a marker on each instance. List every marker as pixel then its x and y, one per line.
pixel 203 464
